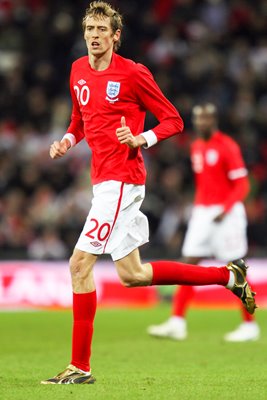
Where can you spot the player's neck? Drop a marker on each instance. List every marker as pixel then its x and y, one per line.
pixel 207 135
pixel 100 63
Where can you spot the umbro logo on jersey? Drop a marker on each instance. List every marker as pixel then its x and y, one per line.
pixel 81 81
pixel 113 90
pixel 96 244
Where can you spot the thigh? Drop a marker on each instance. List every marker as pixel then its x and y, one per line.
pixel 100 222
pixel 129 264
pixel 132 231
pixel 130 269
pixel 113 216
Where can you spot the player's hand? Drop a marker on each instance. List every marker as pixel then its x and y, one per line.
pixel 59 149
pixel 125 136
pixel 220 217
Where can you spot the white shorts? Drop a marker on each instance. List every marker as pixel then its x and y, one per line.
pixel 115 225
pixel 225 240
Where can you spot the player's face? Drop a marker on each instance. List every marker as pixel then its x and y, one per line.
pixel 204 123
pixel 99 36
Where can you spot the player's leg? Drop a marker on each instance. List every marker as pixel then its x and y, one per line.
pixel 197 244
pixel 130 231
pixel 84 308
pixel 133 273
pixel 184 294
pixel 107 224
pixel 229 243
pixel 176 327
pixel 248 330
pixel 233 276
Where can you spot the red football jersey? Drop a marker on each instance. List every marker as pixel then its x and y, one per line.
pixel 100 99
pixel 220 172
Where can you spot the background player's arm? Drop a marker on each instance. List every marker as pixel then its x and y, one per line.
pixel 238 193
pixel 240 189
pixel 220 217
pixel 237 174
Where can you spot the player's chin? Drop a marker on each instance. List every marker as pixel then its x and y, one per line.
pixel 96 51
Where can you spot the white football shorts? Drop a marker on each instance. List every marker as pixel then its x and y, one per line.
pixel 115 225
pixel 225 240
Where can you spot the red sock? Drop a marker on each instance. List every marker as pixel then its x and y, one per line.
pixel 84 308
pixel 246 316
pixel 176 273
pixel 181 300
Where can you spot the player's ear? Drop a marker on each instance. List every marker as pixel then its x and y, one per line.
pixel 117 35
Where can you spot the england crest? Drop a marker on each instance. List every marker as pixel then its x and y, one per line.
pixel 113 90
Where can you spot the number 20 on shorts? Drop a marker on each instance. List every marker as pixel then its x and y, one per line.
pixel 100 232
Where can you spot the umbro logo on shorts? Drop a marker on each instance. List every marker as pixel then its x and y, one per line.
pixel 96 244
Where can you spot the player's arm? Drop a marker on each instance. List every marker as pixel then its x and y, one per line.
pixel 151 98
pixel 125 136
pixel 75 132
pixel 239 191
pixel 238 176
pixel 59 149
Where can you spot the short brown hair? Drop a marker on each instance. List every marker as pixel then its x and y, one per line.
pixel 100 9
pixel 209 108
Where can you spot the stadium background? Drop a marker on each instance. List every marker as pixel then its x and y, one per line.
pixel 213 50
pixel 197 50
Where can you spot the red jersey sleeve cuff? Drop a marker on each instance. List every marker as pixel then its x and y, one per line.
pixel 150 138
pixel 71 138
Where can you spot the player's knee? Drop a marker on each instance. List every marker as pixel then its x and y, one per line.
pixel 128 282
pixel 79 266
pixel 75 264
pixel 132 280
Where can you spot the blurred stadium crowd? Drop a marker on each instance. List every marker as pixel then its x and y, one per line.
pixel 213 50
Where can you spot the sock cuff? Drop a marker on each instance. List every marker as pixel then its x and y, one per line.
pixel 84 306
pixel 231 281
pixel 89 294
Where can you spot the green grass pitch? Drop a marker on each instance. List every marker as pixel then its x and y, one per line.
pixel 127 363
